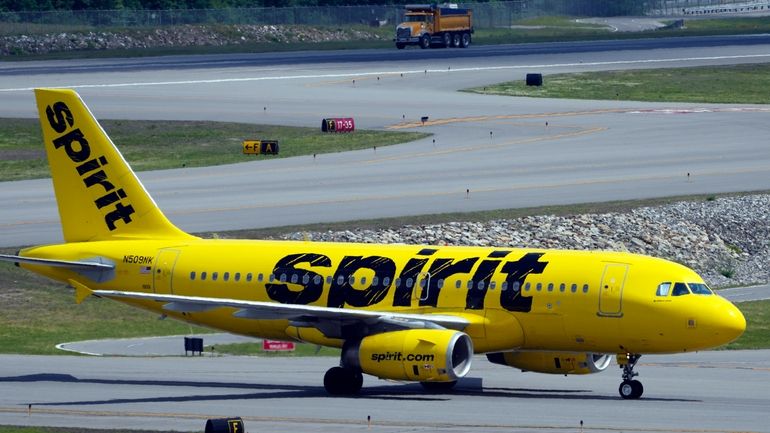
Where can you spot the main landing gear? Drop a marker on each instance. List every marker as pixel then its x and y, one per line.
pixel 630 388
pixel 343 381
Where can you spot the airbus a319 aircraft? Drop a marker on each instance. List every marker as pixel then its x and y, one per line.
pixel 400 312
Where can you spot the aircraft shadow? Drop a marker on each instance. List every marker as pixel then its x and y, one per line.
pixel 401 392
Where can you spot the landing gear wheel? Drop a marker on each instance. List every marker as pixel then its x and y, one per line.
pixel 438 387
pixel 631 389
pixel 456 40
pixel 447 40
pixel 343 381
pixel 425 42
pixel 466 40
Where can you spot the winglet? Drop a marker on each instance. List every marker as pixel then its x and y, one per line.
pixel 81 291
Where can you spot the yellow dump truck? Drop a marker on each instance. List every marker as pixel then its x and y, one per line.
pixel 435 26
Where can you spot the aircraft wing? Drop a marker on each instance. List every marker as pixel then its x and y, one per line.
pixel 328 320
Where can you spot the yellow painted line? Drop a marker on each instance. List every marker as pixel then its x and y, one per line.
pixel 405 125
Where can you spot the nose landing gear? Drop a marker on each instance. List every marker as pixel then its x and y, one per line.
pixel 630 388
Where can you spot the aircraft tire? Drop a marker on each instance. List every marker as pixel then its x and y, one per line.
pixel 438 387
pixel 631 389
pixel 343 381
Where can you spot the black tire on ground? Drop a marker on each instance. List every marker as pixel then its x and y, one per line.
pixel 343 381
pixel 534 79
pixel 631 389
pixel 466 40
pixel 447 40
pixel 456 40
pixel 438 386
pixel 400 46
pixel 425 41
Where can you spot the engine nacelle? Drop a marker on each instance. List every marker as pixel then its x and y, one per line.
pixel 425 355
pixel 553 362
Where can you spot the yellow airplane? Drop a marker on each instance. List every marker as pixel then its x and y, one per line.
pixel 400 312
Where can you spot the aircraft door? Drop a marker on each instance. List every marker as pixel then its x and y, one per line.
pixel 611 290
pixel 421 291
pixel 163 271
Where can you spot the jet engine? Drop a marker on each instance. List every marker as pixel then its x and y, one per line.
pixel 424 355
pixel 553 362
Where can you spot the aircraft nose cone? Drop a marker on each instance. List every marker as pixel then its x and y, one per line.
pixel 732 324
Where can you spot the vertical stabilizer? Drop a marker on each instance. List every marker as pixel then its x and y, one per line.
pixel 98 194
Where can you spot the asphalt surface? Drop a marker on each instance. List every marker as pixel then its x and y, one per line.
pixel 701 392
pixel 499 148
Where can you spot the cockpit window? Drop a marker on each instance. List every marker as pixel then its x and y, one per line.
pixel 680 289
pixel 700 289
pixel 663 289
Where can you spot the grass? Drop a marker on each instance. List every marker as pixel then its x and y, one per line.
pixel 255 349
pixel 744 84
pixel 559 21
pixel 153 145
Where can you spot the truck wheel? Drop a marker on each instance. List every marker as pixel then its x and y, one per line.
pixel 466 40
pixel 447 40
pixel 400 46
pixel 425 41
pixel 456 40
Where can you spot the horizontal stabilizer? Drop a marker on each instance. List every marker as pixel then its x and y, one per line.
pixel 77 266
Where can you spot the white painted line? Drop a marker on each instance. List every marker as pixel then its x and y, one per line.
pixel 421 71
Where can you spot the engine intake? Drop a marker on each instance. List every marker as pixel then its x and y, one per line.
pixel 425 355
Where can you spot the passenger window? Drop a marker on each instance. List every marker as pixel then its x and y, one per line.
pixel 663 289
pixel 294 278
pixel 440 283
pixel 585 288
pixel 283 278
pixel 409 283
pixel 375 281
pixel 562 287
pixel 363 281
pixel 259 278
pixel 386 281
pixel 237 276
pixel 680 289
pixel 272 278
pixel 527 286
pixel 226 276
pixel 340 280
pixel 305 279
pixel 192 275
pixel 422 282
pixel 492 285
pixel 203 276
pixel 480 286
pixel 550 287
pixel 470 284
pixel 351 280
pixel 328 279
pixel 700 289
pixel 539 286
pixel 214 276
pixel 398 283
pixel 574 288
pixel 516 286
pixel 249 277
pixel 504 286
pixel 458 284
pixel 317 280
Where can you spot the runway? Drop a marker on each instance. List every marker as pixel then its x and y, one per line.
pixel 498 148
pixel 702 392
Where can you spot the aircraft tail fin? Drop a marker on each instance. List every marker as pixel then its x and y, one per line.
pixel 99 196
